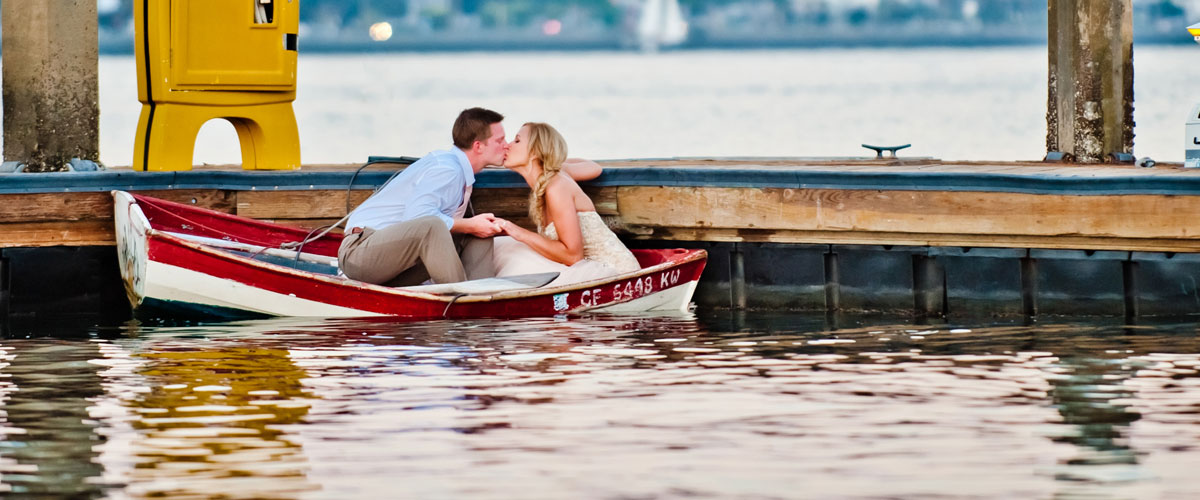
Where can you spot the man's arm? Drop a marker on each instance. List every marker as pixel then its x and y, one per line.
pixel 439 190
pixel 481 226
pixel 581 169
pixel 436 192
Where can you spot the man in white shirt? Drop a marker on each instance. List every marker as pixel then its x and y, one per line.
pixel 414 228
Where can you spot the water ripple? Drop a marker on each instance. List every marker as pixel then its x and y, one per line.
pixel 617 407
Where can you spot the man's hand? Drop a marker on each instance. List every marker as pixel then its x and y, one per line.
pixel 505 226
pixel 481 226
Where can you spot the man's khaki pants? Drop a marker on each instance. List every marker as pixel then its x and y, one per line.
pixel 408 253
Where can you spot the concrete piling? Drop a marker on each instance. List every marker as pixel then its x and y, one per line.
pixel 833 296
pixel 1090 106
pixel 737 278
pixel 1029 288
pixel 929 287
pixel 1129 275
pixel 51 89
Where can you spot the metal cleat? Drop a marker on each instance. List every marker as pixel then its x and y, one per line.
pixel 81 165
pixel 880 149
pixel 1059 156
pixel 1121 158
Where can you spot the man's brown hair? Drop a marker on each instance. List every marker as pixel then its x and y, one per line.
pixel 472 125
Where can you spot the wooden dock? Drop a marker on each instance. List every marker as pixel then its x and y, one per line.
pixel 922 235
pixel 834 233
pixel 842 201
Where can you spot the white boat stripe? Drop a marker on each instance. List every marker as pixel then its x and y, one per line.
pixel 676 298
pixel 167 282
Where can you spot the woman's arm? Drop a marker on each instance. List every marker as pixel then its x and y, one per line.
pixel 560 209
pixel 581 169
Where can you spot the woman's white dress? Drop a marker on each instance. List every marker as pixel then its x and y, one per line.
pixel 603 254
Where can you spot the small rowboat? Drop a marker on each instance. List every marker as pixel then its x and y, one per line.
pixel 181 260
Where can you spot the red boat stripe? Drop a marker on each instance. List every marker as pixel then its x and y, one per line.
pixel 314 287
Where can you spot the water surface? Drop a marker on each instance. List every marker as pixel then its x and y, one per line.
pixel 713 406
pixel 951 103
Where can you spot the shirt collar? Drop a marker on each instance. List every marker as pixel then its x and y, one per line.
pixel 465 164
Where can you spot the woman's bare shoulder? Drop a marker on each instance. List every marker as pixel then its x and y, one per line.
pixel 563 189
pixel 563 184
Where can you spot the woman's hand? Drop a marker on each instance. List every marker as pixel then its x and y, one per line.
pixel 480 226
pixel 504 226
pixel 514 230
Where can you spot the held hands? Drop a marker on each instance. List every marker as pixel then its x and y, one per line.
pixel 482 226
pixel 487 226
pixel 508 228
pixel 505 226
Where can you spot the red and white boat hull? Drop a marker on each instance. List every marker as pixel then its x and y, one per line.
pixel 165 267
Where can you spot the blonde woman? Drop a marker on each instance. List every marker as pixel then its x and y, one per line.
pixel 571 238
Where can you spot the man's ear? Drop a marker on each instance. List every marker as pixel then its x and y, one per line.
pixel 477 147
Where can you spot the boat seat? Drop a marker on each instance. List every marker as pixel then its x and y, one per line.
pixel 299 265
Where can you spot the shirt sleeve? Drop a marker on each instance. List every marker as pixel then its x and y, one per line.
pixel 439 190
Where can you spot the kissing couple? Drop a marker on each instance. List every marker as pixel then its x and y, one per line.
pixel 415 228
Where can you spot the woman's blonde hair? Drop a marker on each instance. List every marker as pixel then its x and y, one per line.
pixel 547 147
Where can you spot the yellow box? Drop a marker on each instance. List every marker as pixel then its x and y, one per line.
pixel 199 60
pixel 217 44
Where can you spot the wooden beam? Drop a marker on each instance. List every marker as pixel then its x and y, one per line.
pixel 510 203
pixel 911 212
pixel 939 218
pixel 915 239
pixel 64 207
pixel 58 234
pixel 297 204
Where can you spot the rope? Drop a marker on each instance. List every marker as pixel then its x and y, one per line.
pixel 447 310
pixel 186 220
pixel 403 160
pixel 309 238
pixel 299 245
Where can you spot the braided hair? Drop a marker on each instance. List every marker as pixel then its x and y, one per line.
pixel 549 149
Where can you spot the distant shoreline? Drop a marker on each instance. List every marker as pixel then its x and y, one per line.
pixel 509 42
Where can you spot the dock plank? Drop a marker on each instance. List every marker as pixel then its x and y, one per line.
pixel 948 212
pixel 297 204
pixel 510 203
pixel 941 204
pixel 50 207
pixel 916 239
pixel 96 232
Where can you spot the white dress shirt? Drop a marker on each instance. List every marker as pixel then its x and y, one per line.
pixel 437 184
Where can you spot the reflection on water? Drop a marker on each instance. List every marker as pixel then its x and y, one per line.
pixel 208 424
pixel 760 406
pixel 49 434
